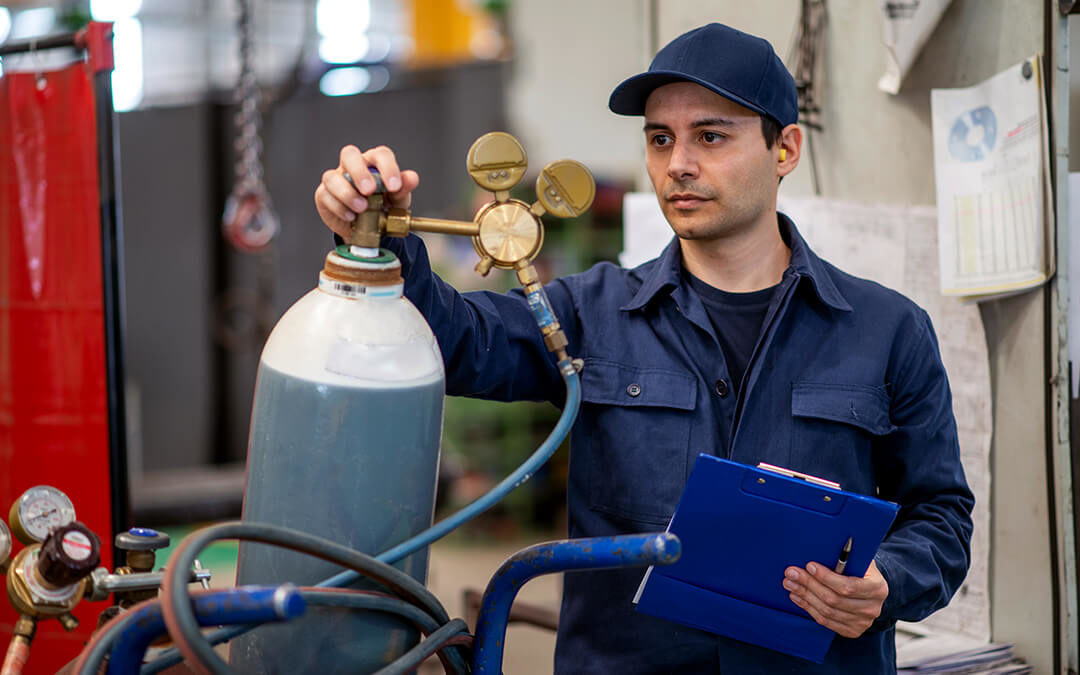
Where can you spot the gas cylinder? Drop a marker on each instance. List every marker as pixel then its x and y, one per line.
pixel 344 444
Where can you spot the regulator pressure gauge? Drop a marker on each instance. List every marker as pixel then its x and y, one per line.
pixel 5 543
pixel 40 510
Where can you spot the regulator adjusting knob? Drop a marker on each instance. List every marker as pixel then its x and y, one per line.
pixel 68 554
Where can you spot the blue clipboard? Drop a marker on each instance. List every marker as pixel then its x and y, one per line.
pixel 740 528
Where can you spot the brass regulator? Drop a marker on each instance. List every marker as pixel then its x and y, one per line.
pixel 506 233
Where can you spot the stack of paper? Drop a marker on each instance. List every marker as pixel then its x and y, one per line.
pixel 949 655
pixel 995 215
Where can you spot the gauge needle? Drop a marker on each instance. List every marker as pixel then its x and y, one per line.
pixel 43 514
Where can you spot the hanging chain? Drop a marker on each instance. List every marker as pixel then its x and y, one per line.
pixel 249 221
pixel 810 42
pixel 245 316
pixel 809 45
pixel 249 174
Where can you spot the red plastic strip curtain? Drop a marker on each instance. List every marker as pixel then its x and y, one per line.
pixel 53 416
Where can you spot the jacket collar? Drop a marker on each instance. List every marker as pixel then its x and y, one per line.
pixel 664 274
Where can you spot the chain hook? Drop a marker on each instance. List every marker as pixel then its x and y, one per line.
pixel 249 222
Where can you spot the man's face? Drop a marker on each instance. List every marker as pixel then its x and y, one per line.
pixel 707 159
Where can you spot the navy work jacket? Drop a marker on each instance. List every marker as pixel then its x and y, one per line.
pixel 846 382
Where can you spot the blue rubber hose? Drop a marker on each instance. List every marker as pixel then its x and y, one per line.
pixel 519 476
pixel 442 528
pixel 129 634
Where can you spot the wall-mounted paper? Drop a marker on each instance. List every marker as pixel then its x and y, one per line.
pixel 991 165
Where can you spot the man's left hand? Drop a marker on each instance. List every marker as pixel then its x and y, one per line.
pixel 847 605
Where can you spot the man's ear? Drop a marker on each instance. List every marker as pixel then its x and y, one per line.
pixel 788 150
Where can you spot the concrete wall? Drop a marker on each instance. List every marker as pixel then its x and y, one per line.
pixel 568 55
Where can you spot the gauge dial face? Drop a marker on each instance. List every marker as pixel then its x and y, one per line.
pixel 40 510
pixel 5 541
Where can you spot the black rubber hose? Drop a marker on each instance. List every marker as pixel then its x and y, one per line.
pixel 456 660
pixel 411 659
pixel 102 642
pixel 326 597
pixel 176 607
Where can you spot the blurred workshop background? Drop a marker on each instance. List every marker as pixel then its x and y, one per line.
pixel 427 77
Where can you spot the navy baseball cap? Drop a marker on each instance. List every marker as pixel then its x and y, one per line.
pixel 738 66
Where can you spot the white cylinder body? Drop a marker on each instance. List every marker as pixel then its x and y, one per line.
pixel 344 444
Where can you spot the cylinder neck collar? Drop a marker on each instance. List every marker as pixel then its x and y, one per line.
pixel 347 275
pixel 385 256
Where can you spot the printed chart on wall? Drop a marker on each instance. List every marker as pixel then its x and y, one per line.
pixel 995 219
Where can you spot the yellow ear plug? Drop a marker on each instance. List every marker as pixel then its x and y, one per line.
pixel 783 154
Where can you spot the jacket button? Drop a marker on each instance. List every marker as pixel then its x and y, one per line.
pixel 721 387
pixel 633 389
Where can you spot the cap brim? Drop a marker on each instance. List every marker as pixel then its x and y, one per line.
pixel 630 96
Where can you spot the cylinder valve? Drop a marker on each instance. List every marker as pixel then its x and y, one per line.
pixel 138 545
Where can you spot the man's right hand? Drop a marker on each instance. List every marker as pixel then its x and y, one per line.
pixel 338 201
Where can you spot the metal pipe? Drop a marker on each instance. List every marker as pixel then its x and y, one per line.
pixel 1067 640
pixel 102 585
pixel 50 42
pixel 96 38
pixel 248 605
pixel 634 550
pixel 469 229
pixel 144 581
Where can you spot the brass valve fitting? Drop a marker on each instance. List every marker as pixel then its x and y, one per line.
pixel 35 597
pixel 506 233
pixel 367 226
pixel 49 579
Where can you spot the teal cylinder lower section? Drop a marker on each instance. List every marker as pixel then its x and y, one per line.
pixel 354 464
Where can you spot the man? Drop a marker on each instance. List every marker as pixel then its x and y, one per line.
pixel 737 341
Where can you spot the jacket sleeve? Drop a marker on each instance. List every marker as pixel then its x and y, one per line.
pixel 926 554
pixel 490 342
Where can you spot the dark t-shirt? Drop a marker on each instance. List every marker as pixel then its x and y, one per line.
pixel 737 319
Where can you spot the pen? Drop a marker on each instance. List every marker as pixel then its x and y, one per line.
pixel 844 552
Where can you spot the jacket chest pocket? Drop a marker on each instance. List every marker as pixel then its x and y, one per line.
pixel 833 431
pixel 637 427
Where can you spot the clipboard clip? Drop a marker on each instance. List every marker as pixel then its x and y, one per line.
pixel 824 482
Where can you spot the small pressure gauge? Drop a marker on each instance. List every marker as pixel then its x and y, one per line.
pixel 40 510
pixel 5 542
